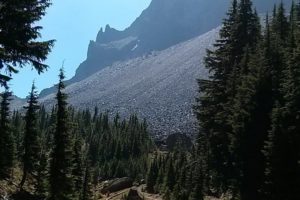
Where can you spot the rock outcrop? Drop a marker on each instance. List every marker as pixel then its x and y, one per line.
pixel 163 24
pixel 160 87
pixel 117 185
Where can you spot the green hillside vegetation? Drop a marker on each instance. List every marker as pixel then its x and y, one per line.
pixel 248 111
pixel 62 152
pixel 248 146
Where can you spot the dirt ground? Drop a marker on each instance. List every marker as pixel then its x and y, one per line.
pixel 118 195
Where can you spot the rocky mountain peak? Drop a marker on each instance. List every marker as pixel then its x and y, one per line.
pixel 163 24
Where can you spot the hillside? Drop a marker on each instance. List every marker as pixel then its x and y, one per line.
pixel 160 86
pixel 163 24
pixel 213 117
pixel 157 85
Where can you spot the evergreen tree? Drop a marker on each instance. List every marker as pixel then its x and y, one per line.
pixel 280 25
pixel 54 167
pixel 279 32
pixel 274 154
pixel 18 35
pixel 31 136
pixel 238 38
pixel 152 176
pixel 167 195
pixel 170 179
pixel 17 126
pixel 213 140
pixel 197 183
pixel 78 170
pixel 282 147
pixel 7 146
pixel 61 180
pixel 87 193
pixel 42 183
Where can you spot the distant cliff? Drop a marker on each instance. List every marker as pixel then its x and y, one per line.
pixel 163 24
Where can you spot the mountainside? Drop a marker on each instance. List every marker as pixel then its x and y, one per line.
pixel 160 87
pixel 143 72
pixel 163 24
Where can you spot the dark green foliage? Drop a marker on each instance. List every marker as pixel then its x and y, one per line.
pixel 170 180
pixel 61 179
pixel 87 193
pixel 152 176
pixel 17 124
pixel 78 170
pixel 171 174
pixel 248 110
pixel 18 35
pixel 248 145
pixel 7 146
pixel 280 24
pixel 282 147
pixel 167 195
pixel 197 181
pixel 65 153
pixel 42 182
pixel 120 147
pixel 196 193
pixel 31 136
pixel 210 110
pixel 217 139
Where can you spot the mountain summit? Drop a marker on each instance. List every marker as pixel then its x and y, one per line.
pixel 159 87
pixel 163 24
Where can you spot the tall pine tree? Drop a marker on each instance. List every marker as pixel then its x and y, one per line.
pixel 61 179
pixel 213 140
pixel 19 34
pixel 282 147
pixel 7 147
pixel 31 136
pixel 238 38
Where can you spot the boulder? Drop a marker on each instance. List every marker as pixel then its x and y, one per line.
pixel 117 185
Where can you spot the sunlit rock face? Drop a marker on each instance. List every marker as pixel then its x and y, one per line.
pixel 163 24
pixel 151 68
pixel 160 87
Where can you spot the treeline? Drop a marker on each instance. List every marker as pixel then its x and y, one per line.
pixel 249 113
pixel 64 153
pixel 249 142
pixel 173 175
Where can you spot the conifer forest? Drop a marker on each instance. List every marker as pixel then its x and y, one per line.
pixel 247 114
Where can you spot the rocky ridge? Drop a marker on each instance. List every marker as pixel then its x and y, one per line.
pixel 163 24
pixel 160 86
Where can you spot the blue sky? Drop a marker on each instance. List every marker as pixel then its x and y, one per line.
pixel 73 23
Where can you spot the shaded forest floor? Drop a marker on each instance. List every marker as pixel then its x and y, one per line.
pixel 122 193
pixel 8 187
pixel 143 195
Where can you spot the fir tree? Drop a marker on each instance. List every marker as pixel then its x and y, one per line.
pixel 61 180
pixel 210 109
pixel 239 35
pixel 170 179
pixel 87 193
pixel 7 146
pixel 31 136
pixel 152 176
pixel 280 25
pixel 42 183
pixel 17 126
pixel 19 34
pixel 197 183
pixel 78 170
pixel 282 147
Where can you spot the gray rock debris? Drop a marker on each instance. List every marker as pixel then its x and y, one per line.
pixel 160 87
